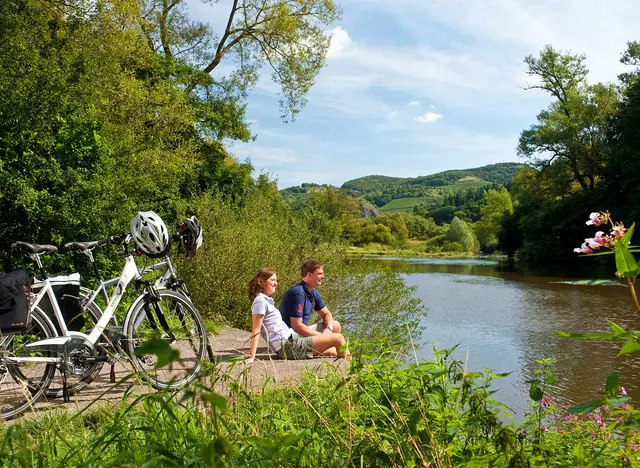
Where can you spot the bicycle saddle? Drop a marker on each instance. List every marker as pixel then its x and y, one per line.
pixel 33 248
pixel 83 245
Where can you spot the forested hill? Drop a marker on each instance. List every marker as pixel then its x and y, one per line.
pixel 500 173
pixel 406 193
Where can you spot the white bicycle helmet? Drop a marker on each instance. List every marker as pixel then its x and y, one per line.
pixel 150 233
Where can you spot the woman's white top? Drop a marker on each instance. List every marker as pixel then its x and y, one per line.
pixel 273 330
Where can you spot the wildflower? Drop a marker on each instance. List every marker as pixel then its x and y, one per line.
pixel 601 239
pixel 570 417
pixel 594 219
pixel 592 243
pixel 598 420
pixel 545 428
pixel 618 231
pixel 584 248
pixel 546 402
pixel 623 391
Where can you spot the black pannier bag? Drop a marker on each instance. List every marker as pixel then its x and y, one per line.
pixel 67 291
pixel 15 314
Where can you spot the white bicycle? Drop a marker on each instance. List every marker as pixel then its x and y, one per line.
pixel 29 359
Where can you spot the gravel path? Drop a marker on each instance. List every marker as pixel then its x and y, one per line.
pixel 229 348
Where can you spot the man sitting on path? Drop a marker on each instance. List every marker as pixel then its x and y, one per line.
pixel 300 300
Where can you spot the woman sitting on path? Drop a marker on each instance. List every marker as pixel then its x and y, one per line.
pixel 282 340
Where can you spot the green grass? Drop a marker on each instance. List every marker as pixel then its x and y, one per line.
pixel 403 204
pixel 464 186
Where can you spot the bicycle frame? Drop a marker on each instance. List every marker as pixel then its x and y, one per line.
pixel 130 272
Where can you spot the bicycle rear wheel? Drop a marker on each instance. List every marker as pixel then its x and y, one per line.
pixel 23 384
pixel 85 362
pixel 175 319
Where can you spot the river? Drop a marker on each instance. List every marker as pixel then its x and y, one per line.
pixel 504 319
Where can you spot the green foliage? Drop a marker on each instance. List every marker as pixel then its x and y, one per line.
pixel 384 411
pixel 621 172
pixel 460 233
pixel 497 205
pixel 572 129
pixel 420 227
pixel 287 38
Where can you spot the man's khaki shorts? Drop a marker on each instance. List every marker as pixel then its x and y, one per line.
pixel 296 347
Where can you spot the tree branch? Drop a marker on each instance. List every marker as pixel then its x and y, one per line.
pixel 221 49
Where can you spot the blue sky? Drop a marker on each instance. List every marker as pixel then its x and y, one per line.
pixel 414 87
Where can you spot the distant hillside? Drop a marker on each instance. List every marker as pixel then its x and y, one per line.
pixel 500 173
pixel 405 193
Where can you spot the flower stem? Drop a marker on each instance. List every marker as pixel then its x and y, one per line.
pixel 632 288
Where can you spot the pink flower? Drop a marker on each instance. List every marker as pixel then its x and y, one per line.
pixel 592 243
pixel 584 248
pixel 601 239
pixel 545 429
pixel 594 219
pixel 623 391
pixel 546 402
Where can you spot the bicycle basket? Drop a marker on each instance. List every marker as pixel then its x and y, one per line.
pixel 15 314
pixel 67 291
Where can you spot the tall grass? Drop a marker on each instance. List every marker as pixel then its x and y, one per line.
pixel 382 412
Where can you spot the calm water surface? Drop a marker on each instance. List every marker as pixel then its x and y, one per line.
pixel 505 319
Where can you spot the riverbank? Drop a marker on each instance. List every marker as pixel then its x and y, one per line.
pixel 379 251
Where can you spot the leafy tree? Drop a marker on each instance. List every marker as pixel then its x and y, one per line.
pixel 420 227
pixel 570 132
pixel 497 205
pixel 631 57
pixel 287 37
pixel 396 224
pixel 334 203
pixel 460 232
pixel 622 173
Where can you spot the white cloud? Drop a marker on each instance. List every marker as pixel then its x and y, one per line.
pixel 599 29
pixel 414 104
pixel 428 117
pixel 340 42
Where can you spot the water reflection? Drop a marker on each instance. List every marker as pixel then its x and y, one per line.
pixel 505 318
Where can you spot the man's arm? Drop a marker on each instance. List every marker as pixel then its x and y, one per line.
pixel 301 329
pixel 327 318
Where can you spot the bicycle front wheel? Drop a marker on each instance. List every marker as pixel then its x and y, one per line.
pixel 23 383
pixel 174 319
